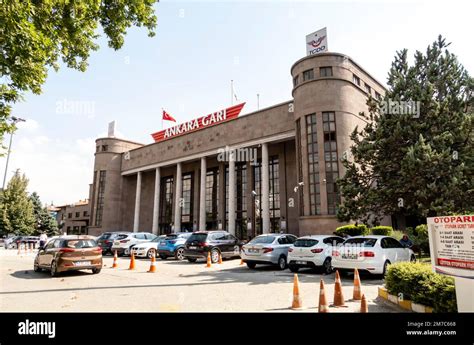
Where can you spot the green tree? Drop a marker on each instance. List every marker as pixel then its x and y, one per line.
pixel 16 208
pixel 44 222
pixel 419 164
pixel 35 34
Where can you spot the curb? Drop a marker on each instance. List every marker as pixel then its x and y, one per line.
pixel 403 303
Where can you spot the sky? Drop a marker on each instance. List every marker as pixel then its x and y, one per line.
pixel 187 67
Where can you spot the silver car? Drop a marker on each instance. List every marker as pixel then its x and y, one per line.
pixel 268 249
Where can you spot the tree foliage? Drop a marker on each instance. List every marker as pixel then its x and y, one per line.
pixel 44 222
pixel 414 164
pixel 36 34
pixel 16 208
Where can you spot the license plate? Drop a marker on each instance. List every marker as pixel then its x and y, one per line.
pixel 301 262
pixel 253 250
pixel 162 243
pixel 116 243
pixel 192 247
pixel 349 256
pixel 82 263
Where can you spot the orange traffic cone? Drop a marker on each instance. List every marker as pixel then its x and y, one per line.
pixel 30 247
pixel 363 305
pixel 357 294
pixel 132 262
pixel 208 263
pixel 323 304
pixel 18 244
pixel 338 296
pixel 241 262
pixel 220 258
pixel 114 265
pixel 152 265
pixel 297 304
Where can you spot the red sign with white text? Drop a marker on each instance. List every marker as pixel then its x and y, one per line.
pixel 199 123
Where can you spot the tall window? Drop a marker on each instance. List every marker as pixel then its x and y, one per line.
pixel 274 168
pixel 308 75
pixel 368 89
pixel 212 198
pixel 295 81
pixel 166 205
pixel 356 80
pixel 325 71
pixel 100 199
pixel 300 166
pixel 313 165
pixel 240 199
pixel 331 161
pixel 187 209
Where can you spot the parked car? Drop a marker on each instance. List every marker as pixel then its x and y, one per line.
pixel 125 242
pixel 216 242
pixel 370 253
pixel 313 251
pixel 107 239
pixel 24 240
pixel 68 253
pixel 173 245
pixel 147 249
pixel 267 249
pixel 8 242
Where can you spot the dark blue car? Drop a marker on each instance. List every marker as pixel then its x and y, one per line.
pixel 173 245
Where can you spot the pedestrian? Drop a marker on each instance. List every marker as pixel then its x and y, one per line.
pixel 406 242
pixel 43 239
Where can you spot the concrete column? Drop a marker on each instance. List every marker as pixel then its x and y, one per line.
pixel 232 186
pixel 178 192
pixel 202 196
pixel 265 191
pixel 156 202
pixel 136 217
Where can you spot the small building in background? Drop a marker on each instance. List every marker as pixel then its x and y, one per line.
pixel 73 219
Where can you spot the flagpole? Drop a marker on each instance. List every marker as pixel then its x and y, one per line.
pixel 258 101
pixel 231 92
pixel 162 125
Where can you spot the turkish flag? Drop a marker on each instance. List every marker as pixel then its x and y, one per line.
pixel 168 117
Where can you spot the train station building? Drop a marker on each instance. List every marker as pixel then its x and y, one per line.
pixel 267 171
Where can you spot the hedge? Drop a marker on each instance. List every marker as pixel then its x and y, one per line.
pixel 382 230
pixel 352 230
pixel 418 283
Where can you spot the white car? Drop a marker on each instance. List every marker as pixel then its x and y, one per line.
pixel 313 251
pixel 370 253
pixel 126 241
pixel 147 249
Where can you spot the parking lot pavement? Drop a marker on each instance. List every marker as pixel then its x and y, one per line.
pixel 176 286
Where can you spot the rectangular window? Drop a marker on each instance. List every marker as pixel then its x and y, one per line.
pixel 69 215
pixel 325 71
pixel 295 81
pixel 105 148
pixel 166 205
pixel 100 198
pixel 356 80
pixel 86 214
pixel 187 209
pixel 257 198
pixel 308 75
pixel 378 96
pixel 313 165
pixel 274 172
pixel 212 199
pixel 300 166
pixel 331 161
pixel 78 214
pixel 368 89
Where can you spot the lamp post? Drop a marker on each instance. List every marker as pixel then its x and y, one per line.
pixel 15 120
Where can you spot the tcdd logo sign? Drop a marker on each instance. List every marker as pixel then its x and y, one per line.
pixel 316 42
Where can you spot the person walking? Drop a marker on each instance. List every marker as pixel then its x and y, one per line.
pixel 43 239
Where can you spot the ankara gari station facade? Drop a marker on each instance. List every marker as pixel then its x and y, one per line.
pixel 270 170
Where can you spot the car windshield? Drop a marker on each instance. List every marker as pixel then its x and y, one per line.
pixel 363 242
pixel 305 242
pixel 197 237
pixel 105 236
pixel 263 240
pixel 78 244
pixel 171 237
pixel 157 239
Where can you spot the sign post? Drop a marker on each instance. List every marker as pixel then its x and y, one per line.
pixel 452 253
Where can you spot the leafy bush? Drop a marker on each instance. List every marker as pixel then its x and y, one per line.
pixel 382 230
pixel 352 230
pixel 397 234
pixel 418 283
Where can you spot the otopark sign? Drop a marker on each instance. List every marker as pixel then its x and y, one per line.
pixel 212 119
pixel 452 253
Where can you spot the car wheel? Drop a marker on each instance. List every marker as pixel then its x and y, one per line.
pixel 413 258
pixel 191 259
pixel 179 254
pixel 36 267
pixel 215 255
pixel 95 270
pixel 327 267
pixel 282 262
pixel 293 268
pixel 163 257
pixel 251 265
pixel 54 269
pixel 385 266
pixel 151 253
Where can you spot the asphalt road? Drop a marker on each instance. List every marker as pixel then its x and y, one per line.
pixel 176 286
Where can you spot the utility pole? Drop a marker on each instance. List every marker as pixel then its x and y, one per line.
pixel 15 120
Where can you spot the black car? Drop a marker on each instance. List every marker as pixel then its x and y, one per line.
pixel 106 240
pixel 216 242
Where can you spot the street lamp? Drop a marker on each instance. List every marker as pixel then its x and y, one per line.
pixel 15 120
